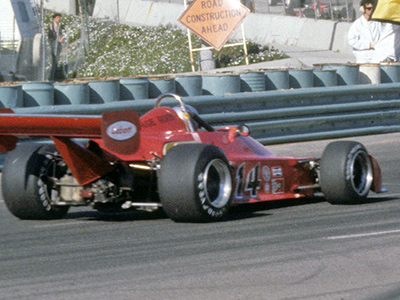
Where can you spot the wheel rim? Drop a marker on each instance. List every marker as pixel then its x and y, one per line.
pixel 361 173
pixel 51 170
pixel 218 183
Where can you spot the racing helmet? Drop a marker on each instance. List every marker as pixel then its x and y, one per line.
pixel 190 110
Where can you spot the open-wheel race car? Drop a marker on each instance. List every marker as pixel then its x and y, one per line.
pixel 169 158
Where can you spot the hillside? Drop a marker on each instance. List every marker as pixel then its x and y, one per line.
pixel 122 50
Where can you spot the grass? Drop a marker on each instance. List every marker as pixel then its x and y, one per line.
pixel 122 50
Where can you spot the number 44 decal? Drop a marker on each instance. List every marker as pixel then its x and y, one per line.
pixel 253 181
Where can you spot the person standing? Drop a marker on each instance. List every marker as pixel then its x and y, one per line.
pixel 364 33
pixel 387 49
pixel 56 39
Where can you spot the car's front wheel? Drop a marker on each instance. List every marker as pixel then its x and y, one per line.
pixel 195 183
pixel 345 172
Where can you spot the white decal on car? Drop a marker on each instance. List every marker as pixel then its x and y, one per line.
pixel 121 130
pixel 277 171
pixel 278 186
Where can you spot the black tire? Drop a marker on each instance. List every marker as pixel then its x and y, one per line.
pixel 27 186
pixel 345 173
pixel 195 183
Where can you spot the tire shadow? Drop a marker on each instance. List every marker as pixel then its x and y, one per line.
pixel 372 200
pixel 236 213
pixel 262 209
pixel 128 216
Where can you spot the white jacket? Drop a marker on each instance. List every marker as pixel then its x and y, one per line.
pixel 362 34
pixel 388 45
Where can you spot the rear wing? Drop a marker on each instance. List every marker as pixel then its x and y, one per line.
pixel 85 165
pixel 74 126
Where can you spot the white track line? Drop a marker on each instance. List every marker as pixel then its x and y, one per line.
pixel 351 236
pixel 61 224
pixel 383 195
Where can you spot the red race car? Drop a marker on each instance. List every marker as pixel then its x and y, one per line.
pixel 167 158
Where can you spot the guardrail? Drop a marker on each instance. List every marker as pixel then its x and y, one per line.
pixel 281 116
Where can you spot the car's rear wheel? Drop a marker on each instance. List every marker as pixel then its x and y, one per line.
pixel 195 183
pixel 345 173
pixel 28 182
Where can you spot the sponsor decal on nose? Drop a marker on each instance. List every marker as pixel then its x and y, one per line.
pixel 121 130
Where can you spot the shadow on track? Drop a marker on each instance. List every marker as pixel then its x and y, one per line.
pixel 128 216
pixel 239 212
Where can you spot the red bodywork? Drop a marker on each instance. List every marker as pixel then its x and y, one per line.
pixel 258 174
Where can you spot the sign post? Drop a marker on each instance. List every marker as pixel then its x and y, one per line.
pixel 214 21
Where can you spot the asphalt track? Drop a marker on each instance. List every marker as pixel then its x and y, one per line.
pixel 304 249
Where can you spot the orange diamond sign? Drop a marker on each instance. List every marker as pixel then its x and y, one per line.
pixel 214 20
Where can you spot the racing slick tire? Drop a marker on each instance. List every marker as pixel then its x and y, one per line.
pixel 195 183
pixel 345 173
pixel 27 186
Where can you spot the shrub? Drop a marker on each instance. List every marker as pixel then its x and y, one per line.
pixel 122 50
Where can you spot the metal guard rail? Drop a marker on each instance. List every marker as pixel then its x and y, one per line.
pixel 282 116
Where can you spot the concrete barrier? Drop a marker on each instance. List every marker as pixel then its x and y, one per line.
pixel 316 34
pixel 266 29
pixel 140 13
pixel 340 43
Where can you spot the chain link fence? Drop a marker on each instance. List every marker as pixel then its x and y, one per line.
pixel 335 10
pixel 8 55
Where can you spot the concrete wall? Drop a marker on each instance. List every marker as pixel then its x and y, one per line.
pixel 340 38
pixel 274 29
pixel 61 6
pixel 139 13
pixel 8 26
pixel 261 28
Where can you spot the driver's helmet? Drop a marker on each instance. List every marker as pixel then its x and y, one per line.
pixel 190 110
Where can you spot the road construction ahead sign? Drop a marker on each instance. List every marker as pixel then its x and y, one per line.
pixel 214 20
